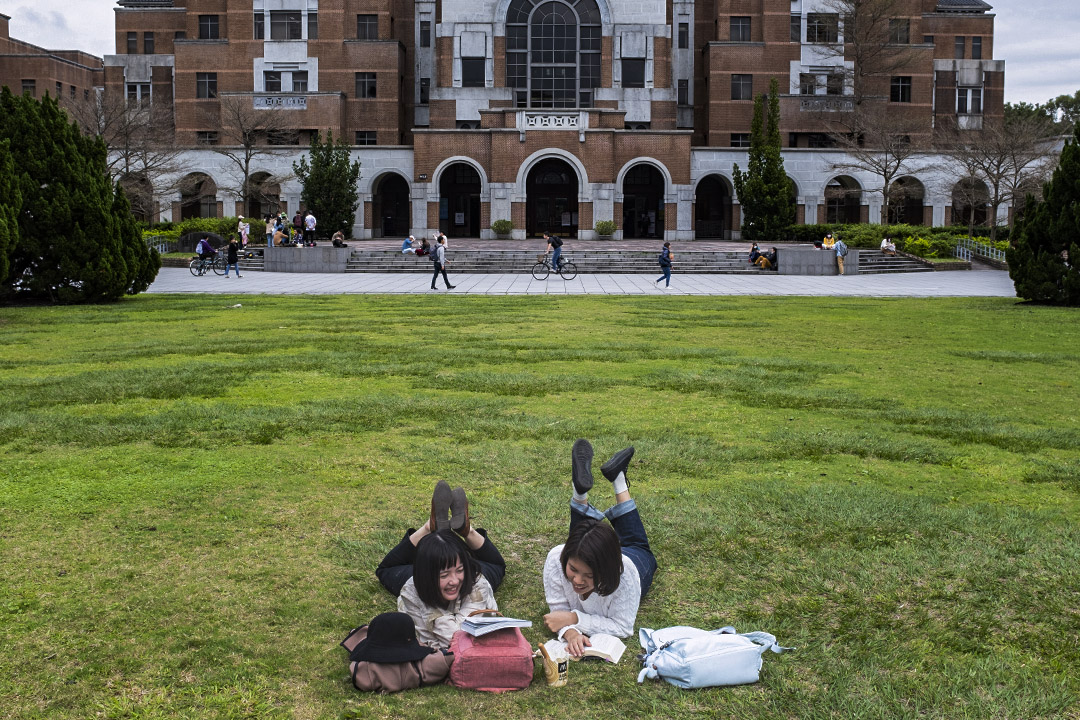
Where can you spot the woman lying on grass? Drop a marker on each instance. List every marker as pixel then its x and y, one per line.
pixel 439 577
pixel 596 580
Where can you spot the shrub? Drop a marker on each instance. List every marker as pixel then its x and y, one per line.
pixel 605 227
pixel 502 227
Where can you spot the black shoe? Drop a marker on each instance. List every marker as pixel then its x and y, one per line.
pixel 581 469
pixel 451 287
pixel 440 507
pixel 617 464
pixel 459 512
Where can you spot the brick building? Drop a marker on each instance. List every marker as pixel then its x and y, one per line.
pixel 556 114
pixel 64 75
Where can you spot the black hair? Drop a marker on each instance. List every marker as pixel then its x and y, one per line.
pixel 437 552
pixel 595 544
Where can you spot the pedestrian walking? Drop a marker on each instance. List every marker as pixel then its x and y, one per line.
pixel 231 257
pixel 438 256
pixel 665 259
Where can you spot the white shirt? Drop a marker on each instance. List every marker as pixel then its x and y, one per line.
pixel 614 614
pixel 309 221
pixel 436 626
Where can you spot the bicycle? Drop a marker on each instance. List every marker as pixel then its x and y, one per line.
pixel 199 266
pixel 567 270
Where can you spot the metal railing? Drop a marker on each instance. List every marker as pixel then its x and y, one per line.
pixel 160 243
pixel 966 248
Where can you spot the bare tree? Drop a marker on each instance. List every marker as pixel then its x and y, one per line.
pixel 1004 160
pixel 878 141
pixel 248 134
pixel 141 143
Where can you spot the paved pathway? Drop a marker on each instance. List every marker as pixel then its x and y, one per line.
pixel 989 283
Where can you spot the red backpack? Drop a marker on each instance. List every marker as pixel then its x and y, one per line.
pixel 499 661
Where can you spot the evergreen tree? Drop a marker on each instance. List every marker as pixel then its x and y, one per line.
pixel 329 184
pixel 75 241
pixel 1043 260
pixel 764 190
pixel 10 199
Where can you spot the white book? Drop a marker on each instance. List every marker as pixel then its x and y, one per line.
pixel 477 626
pixel 604 647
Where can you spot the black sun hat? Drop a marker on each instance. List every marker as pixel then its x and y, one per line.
pixel 391 638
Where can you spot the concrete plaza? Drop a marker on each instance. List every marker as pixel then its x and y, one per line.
pixel 975 283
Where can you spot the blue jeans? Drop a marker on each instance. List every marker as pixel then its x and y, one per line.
pixel 234 267
pixel 626 521
pixel 555 254
pixel 666 277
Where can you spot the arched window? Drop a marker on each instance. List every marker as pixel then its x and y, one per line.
pixel 553 52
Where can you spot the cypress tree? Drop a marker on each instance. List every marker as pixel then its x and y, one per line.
pixel 764 190
pixel 10 199
pixel 75 241
pixel 329 183
pixel 1044 260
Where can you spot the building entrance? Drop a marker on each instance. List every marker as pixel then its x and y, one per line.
pixel 713 209
pixel 643 203
pixel 390 209
pixel 459 201
pixel 551 205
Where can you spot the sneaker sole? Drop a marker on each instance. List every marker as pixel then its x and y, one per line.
pixel 459 509
pixel 441 500
pixel 581 472
pixel 619 460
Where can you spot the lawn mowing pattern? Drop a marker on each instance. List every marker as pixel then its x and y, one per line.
pixel 194 496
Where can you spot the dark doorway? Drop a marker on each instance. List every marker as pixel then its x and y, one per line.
pixel 643 203
pixel 390 210
pixel 459 201
pixel 906 201
pixel 843 198
pixel 712 209
pixel 970 199
pixel 551 205
pixel 264 196
pixel 197 197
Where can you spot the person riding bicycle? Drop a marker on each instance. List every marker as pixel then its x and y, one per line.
pixel 205 250
pixel 554 246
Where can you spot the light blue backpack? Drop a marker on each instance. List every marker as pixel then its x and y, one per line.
pixel 690 658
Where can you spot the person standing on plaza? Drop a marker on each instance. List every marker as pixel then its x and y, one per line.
pixel 841 252
pixel 231 257
pixel 439 260
pixel 298 228
pixel 309 229
pixel 269 231
pixel 665 265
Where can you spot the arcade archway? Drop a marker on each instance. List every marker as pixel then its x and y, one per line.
pixel 712 208
pixel 390 208
pixel 459 201
pixel 551 199
pixel 643 202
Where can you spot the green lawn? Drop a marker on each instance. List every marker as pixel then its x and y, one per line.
pixel 193 497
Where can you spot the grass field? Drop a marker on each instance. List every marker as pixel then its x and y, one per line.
pixel 193 497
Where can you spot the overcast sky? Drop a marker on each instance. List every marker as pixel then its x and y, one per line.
pixel 1039 40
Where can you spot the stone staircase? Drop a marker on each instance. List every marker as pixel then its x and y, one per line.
pixel 875 262
pixel 587 261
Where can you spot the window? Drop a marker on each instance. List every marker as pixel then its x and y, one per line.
pixel 132 43
pixel 59 90
pixel 684 92
pixel 822 28
pixel 85 94
pixel 976 48
pixel 312 25
pixel 834 84
pixel 299 81
pixel 365 137
pixel 286 25
pixel 179 35
pixel 208 27
pixel 553 53
pixel 900 31
pixel 928 39
pixel 820 140
pixel 425 33
pixel 138 94
pixel 206 137
pixel 740 29
pixel 796 28
pixel 425 91
pixel 740 140
pixel 272 80
pixel 205 85
pixel 259 25
pixel 472 72
pixel 365 84
pixel 633 72
pixel 969 101
pixel 807 84
pixel 367 27
pixel 959 53
pixel 29 86
pixel 900 89
pixel 742 87
pixel 148 43
pixel 71 92
pixel 684 35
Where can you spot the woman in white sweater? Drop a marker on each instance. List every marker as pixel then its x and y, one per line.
pixel 595 581
pixel 444 571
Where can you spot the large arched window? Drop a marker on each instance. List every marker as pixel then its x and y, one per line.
pixel 553 52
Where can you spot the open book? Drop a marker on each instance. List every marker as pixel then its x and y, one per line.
pixel 604 647
pixel 481 625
